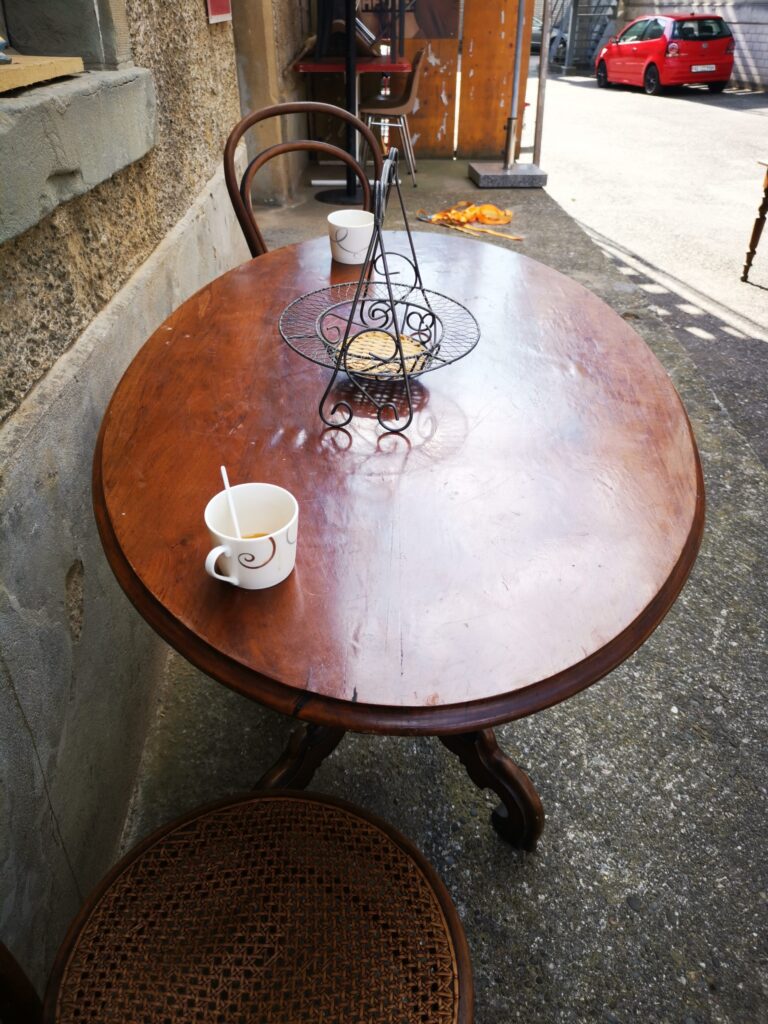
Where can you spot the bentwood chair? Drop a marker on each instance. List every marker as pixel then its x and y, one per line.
pixel 240 190
pixel 393 111
pixel 273 907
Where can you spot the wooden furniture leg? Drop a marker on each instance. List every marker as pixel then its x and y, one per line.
pixel 520 817
pixel 307 748
pixel 757 230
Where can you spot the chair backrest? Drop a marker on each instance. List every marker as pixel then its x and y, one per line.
pixel 240 191
pixel 412 85
pixel 19 1003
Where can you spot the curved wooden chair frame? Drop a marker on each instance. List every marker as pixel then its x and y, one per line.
pixel 240 191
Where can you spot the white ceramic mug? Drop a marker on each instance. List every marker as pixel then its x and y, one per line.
pixel 253 562
pixel 350 234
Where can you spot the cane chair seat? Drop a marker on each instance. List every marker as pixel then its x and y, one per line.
pixel 276 908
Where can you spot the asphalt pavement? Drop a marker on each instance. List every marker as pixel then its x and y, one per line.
pixel 669 187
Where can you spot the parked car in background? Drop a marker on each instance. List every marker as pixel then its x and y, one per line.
pixel 557 40
pixel 661 50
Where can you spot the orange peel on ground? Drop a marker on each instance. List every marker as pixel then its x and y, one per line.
pixel 467 216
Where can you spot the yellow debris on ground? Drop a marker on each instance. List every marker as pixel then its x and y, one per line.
pixel 466 216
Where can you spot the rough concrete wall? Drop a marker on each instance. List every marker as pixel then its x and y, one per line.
pixel 78 667
pixel 748 20
pixel 79 293
pixel 55 278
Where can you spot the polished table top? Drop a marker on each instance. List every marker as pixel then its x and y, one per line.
pixel 525 535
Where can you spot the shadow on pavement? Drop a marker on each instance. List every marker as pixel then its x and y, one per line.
pixel 734 361
pixel 741 99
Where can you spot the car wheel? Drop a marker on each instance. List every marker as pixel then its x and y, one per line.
pixel 651 82
pixel 602 76
pixel 716 86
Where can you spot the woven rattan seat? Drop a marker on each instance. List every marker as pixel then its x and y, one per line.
pixel 277 907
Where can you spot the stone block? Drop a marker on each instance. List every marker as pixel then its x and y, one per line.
pixel 59 141
pixel 495 175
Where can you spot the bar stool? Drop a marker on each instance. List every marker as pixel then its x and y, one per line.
pixel 273 907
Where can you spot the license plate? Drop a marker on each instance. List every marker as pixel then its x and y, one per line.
pixel 704 67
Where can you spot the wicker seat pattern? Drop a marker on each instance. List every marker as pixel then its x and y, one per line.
pixel 273 909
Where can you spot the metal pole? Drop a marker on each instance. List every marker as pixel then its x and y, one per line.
pixel 546 16
pixel 509 151
pixel 351 84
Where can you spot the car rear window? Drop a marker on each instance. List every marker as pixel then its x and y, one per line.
pixel 700 29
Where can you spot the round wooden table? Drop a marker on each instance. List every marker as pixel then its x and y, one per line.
pixel 521 539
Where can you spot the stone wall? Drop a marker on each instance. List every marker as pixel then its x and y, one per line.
pixel 79 293
pixel 748 20
pixel 57 276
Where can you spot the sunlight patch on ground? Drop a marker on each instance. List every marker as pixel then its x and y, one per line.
pixel 699 332
pixel 654 289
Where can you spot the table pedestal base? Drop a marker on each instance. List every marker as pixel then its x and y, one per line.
pixel 307 748
pixel 519 818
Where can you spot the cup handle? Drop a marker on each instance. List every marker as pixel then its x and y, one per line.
pixel 212 559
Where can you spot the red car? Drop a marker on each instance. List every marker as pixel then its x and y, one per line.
pixel 675 49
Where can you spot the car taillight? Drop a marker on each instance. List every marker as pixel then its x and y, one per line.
pixel 673 50
pixel 730 47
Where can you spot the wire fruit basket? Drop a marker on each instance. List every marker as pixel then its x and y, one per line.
pixel 377 330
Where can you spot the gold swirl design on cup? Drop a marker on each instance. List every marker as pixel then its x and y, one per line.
pixel 246 558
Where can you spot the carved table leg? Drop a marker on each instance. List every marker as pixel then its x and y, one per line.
pixel 757 230
pixel 307 748
pixel 520 817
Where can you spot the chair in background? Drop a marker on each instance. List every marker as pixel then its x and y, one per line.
pixel 393 111
pixel 277 906
pixel 240 190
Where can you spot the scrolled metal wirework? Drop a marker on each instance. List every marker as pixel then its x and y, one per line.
pixel 378 329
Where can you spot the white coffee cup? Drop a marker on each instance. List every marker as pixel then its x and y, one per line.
pixel 247 561
pixel 350 234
